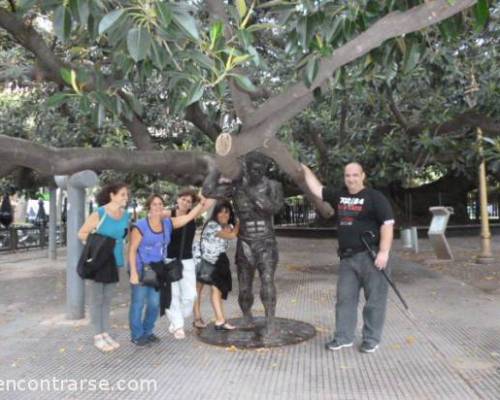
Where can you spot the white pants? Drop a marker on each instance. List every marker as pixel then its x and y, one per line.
pixel 183 296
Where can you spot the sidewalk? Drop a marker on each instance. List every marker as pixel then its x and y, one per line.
pixel 451 350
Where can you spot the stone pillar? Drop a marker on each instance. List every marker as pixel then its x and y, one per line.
pixel 53 224
pixel 75 287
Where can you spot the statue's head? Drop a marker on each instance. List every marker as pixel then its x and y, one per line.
pixel 256 166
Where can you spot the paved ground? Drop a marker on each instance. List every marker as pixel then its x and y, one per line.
pixel 450 349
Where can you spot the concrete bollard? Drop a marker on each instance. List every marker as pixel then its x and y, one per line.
pixel 75 286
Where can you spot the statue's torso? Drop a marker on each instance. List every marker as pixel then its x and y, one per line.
pixel 255 223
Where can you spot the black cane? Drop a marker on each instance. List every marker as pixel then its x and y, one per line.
pixel 374 256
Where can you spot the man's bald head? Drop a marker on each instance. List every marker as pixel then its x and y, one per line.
pixel 354 177
pixel 354 166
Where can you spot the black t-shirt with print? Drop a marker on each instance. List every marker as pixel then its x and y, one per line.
pixel 356 213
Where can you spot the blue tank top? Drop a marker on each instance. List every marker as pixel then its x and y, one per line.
pixel 116 229
pixel 153 246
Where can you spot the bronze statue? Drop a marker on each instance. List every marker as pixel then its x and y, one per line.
pixel 256 199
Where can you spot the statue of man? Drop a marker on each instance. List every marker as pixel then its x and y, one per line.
pixel 256 199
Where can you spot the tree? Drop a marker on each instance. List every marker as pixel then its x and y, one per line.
pixel 104 54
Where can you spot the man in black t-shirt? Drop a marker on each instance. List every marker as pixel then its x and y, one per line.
pixel 359 209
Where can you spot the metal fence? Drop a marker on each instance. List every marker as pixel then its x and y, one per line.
pixel 297 211
pixel 24 238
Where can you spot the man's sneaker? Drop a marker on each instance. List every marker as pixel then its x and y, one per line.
pixel 368 348
pixel 142 341
pixel 336 345
pixel 153 338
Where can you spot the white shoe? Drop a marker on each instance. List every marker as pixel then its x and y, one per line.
pixel 113 343
pixel 102 344
pixel 179 334
pixel 171 328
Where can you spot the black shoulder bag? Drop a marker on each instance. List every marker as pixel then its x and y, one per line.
pixel 97 251
pixel 174 268
pixel 204 269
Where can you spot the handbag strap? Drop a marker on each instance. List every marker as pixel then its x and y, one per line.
pixel 201 237
pixel 101 220
pixel 183 238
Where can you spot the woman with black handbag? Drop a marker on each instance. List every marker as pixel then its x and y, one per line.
pixel 110 220
pixel 213 263
pixel 149 240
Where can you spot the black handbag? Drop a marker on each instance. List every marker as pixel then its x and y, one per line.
pixel 174 268
pixel 97 252
pixel 149 277
pixel 204 270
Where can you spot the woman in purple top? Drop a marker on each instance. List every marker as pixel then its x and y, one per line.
pixel 148 243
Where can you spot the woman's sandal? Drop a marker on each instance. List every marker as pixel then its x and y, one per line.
pixel 226 326
pixel 199 323
pixel 102 344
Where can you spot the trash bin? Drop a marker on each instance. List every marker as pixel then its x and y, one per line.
pixel 436 232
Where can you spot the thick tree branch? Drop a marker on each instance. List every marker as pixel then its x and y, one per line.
pixel 242 101
pixel 177 166
pixel 279 109
pixel 198 118
pixel 278 151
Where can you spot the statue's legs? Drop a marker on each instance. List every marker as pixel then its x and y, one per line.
pixel 246 265
pixel 266 253
pixel 260 254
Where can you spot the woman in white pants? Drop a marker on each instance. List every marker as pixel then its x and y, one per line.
pixel 183 291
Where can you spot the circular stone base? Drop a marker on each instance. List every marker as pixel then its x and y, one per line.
pixel 285 332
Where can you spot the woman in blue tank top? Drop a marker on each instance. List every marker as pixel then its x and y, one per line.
pixel 149 240
pixel 111 219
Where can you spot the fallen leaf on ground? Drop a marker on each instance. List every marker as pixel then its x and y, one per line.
pixel 411 340
pixel 232 348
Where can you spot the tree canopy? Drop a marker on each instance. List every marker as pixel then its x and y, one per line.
pixel 147 86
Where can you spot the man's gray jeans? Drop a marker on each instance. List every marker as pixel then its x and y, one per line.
pixel 358 272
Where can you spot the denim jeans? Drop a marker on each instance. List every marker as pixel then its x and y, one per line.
pixel 358 272
pixel 143 296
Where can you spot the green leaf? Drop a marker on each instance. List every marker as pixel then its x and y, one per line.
pixel 311 70
pixel 138 43
pixel 186 22
pixel 260 27
pixel 83 11
pixel 159 55
pixel 109 20
pixel 62 23
pixel 481 13
pixel 66 75
pixel 241 59
pixel 216 31
pixel 200 58
pixel 164 13
pixel 101 115
pixel 411 58
pixel 195 94
pixel 57 99
pixel 304 33
pixel 244 82
pixel 242 8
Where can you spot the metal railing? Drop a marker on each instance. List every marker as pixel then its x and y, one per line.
pixel 296 212
pixel 24 238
